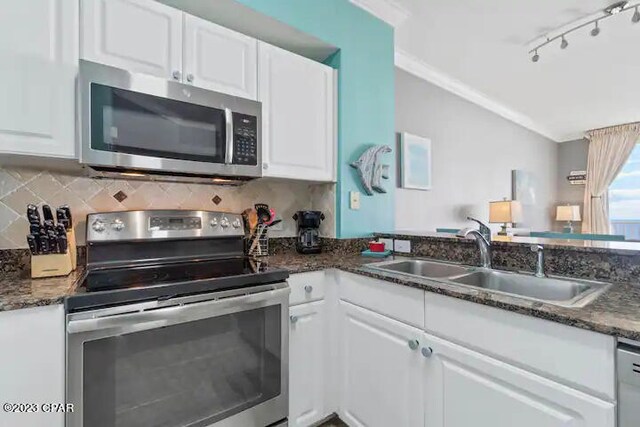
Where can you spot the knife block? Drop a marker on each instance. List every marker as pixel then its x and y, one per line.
pixel 53 265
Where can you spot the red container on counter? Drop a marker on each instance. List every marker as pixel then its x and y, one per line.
pixel 376 246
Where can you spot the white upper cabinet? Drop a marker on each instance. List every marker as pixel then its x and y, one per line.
pixel 136 35
pixel 219 59
pixel 39 51
pixel 465 388
pixel 298 111
pixel 380 370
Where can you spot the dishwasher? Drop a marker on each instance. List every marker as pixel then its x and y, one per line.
pixel 628 360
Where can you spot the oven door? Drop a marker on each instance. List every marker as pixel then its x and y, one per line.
pixel 140 122
pixel 190 361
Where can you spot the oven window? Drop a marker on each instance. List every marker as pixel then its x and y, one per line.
pixel 191 374
pixel 135 123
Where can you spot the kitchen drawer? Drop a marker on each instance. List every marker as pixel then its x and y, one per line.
pixel 579 358
pixel 398 302
pixel 307 287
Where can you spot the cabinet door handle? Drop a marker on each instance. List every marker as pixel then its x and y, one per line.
pixel 308 289
pixel 427 351
pixel 190 78
pixel 293 319
pixel 413 344
pixel 176 75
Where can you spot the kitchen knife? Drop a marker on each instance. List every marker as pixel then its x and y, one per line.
pixel 62 243
pixel 49 225
pixel 34 229
pixel 67 211
pixel 61 216
pixel 33 245
pixel 32 214
pixel 43 244
pixel 47 215
pixel 53 241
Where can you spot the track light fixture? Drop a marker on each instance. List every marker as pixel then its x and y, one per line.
pixel 613 9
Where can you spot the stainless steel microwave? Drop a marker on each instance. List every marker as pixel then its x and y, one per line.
pixel 136 124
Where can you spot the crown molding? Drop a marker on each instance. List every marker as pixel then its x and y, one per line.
pixel 419 68
pixel 389 11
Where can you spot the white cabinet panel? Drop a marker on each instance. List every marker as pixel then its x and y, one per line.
pixel 307 287
pixel 307 361
pixel 219 59
pixel 465 388
pixel 136 35
pixel 581 359
pixel 39 49
pixel 32 363
pixel 297 96
pixel 381 376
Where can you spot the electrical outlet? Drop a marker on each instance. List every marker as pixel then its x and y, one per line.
pixel 354 200
pixel 403 246
pixel 388 243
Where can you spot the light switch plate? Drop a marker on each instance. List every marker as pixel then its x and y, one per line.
pixel 388 243
pixel 403 246
pixel 354 200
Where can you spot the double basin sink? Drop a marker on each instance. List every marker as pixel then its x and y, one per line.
pixel 552 290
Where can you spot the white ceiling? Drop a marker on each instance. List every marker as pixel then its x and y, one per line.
pixel 478 49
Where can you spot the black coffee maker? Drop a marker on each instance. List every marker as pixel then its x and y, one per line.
pixel 308 223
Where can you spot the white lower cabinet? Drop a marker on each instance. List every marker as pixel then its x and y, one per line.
pixel 307 361
pixel 32 365
pixel 380 381
pixel 465 388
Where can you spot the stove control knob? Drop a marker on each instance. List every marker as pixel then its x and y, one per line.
pixel 224 222
pixel 214 222
pixel 117 224
pixel 236 223
pixel 98 226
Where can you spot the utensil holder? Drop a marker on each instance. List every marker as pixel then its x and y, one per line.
pixel 53 265
pixel 258 243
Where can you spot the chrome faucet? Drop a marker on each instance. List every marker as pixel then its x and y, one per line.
pixel 540 263
pixel 482 238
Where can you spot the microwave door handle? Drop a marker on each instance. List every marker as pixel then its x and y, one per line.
pixel 228 154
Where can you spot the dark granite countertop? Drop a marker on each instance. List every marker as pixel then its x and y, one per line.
pixel 615 312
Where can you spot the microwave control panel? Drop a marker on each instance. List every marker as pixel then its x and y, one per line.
pixel 245 139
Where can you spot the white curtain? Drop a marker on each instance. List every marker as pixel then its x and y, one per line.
pixel 609 150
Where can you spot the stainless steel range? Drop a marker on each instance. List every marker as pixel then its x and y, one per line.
pixel 174 326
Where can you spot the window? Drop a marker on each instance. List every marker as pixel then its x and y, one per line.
pixel 624 199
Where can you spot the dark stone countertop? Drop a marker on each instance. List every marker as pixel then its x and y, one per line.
pixel 615 312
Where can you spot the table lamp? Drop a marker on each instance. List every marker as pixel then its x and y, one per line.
pixel 505 212
pixel 568 213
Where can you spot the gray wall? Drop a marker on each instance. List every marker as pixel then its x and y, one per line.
pixel 474 151
pixel 572 155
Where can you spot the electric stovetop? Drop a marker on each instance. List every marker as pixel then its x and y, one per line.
pixel 102 287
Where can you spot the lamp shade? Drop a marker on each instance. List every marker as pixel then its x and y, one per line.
pixel 568 213
pixel 505 211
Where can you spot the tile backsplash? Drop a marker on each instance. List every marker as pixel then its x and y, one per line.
pixel 21 186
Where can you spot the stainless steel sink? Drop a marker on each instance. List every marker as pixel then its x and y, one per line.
pixel 551 290
pixel 422 268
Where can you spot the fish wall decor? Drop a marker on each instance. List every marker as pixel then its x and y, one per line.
pixel 370 169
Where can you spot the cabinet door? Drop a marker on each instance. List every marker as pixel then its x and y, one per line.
pixel 297 96
pixel 32 364
pixel 307 359
pixel 219 59
pixel 465 388
pixel 38 44
pixel 381 370
pixel 136 35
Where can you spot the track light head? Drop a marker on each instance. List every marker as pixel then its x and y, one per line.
pixel 596 30
pixel 564 44
pixel 636 16
pixel 616 7
pixel 535 57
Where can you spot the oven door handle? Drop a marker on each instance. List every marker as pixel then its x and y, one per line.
pixel 176 314
pixel 228 153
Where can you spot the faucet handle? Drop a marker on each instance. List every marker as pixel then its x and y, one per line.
pixel 537 248
pixel 484 229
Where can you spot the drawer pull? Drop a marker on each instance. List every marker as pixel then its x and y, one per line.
pixel 308 289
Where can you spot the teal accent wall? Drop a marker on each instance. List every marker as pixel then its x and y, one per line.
pixel 366 99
